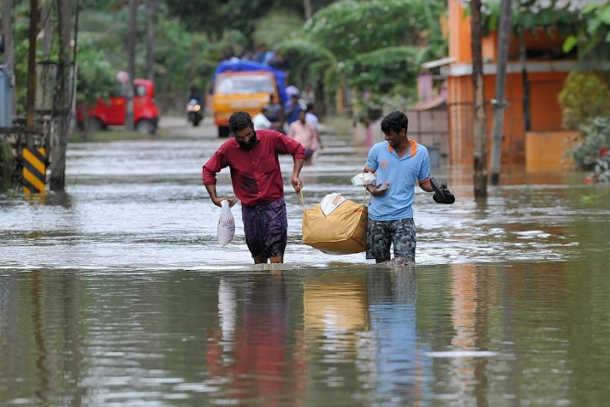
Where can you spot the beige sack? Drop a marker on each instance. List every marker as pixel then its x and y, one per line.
pixel 343 231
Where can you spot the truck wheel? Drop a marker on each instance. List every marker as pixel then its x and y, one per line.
pixel 223 131
pixel 95 124
pixel 145 126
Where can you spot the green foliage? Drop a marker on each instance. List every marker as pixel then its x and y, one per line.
pixel 382 70
pixel 587 29
pixel 583 97
pixel 8 166
pixel 530 14
pixel 311 62
pixel 349 28
pixel 367 47
pixel 213 17
pixel 597 137
pixel 276 26
pixel 593 36
pixel 95 77
pixel 21 47
pixel 601 170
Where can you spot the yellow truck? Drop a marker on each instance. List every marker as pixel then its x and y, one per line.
pixel 246 91
pixel 245 86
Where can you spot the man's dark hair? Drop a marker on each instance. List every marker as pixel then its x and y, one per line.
pixel 239 121
pixel 394 122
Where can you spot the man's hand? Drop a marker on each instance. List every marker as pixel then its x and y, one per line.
pixel 232 200
pixel 441 195
pixel 378 190
pixel 296 183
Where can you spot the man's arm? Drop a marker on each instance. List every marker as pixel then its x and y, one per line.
pixel 424 173
pixel 218 199
pixel 296 171
pixel 285 144
pixel 426 185
pixel 209 171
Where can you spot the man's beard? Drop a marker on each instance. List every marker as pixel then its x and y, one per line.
pixel 249 145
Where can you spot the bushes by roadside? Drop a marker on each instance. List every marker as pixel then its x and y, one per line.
pixel 8 166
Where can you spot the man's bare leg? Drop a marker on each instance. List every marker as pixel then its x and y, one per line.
pixel 260 259
pixel 277 259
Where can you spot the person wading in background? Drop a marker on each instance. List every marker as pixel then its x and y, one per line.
pixel 305 134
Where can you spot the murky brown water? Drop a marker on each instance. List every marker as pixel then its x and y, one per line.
pixel 118 294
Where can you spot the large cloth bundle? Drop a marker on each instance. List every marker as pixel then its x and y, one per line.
pixel 341 231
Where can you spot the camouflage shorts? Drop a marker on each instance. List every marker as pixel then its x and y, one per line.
pixel 399 233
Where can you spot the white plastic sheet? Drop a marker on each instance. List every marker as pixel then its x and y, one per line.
pixel 330 202
pixel 363 179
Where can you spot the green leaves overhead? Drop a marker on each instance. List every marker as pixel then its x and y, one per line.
pixel 382 70
pixel 374 46
pixel 349 28
pixel 586 28
pixel 276 26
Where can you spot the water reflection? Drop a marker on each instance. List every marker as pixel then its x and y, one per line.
pixel 255 348
pixel 399 366
pixel 118 294
pixel 451 335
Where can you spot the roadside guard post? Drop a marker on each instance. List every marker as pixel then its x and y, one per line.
pixel 34 170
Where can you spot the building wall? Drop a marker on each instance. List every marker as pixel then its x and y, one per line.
pixel 544 88
pixel 544 108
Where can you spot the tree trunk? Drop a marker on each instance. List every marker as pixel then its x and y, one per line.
pixel 527 117
pixel 307 8
pixel 131 61
pixel 150 40
pixel 7 29
pixel 47 29
pixel 62 96
pixel 31 91
pixel 480 149
pixel 506 14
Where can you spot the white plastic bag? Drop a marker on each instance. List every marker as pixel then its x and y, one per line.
pixel 226 224
pixel 330 202
pixel 364 179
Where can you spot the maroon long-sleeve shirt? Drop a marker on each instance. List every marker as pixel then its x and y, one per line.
pixel 255 173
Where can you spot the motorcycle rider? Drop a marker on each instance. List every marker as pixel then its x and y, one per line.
pixel 195 115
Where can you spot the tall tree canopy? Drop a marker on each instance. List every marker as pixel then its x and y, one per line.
pixel 215 16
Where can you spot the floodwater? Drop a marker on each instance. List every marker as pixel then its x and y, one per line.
pixel 117 294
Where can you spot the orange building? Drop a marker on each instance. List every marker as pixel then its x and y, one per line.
pixel 546 72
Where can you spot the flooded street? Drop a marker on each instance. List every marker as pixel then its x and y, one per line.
pixel 117 293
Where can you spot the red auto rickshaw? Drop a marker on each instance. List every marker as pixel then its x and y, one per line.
pixel 114 111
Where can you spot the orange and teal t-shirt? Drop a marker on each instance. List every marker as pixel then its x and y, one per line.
pixel 402 173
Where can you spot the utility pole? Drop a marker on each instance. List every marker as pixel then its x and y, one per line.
pixel 505 29
pixel 131 60
pixel 525 82
pixel 480 149
pixel 31 91
pixel 307 8
pixel 62 95
pixel 150 40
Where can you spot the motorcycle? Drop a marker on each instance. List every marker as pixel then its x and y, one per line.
pixel 194 112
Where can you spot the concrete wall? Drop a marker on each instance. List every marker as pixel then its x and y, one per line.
pixel 546 151
pixel 546 81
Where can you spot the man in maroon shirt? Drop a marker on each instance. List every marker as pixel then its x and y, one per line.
pixel 252 157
